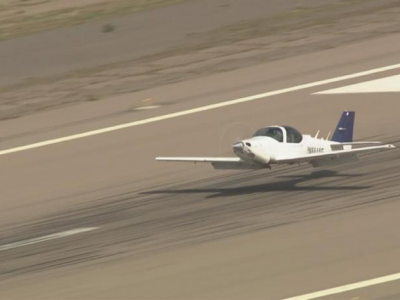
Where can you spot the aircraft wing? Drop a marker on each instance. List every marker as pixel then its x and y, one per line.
pixel 330 155
pixel 221 163
pixel 199 159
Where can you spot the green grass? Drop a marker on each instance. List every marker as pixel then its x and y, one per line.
pixel 21 24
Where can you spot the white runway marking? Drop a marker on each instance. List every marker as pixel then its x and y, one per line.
pixel 45 238
pixel 348 287
pixel 384 85
pixel 147 107
pixel 196 110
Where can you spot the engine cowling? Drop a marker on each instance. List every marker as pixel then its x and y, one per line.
pixel 261 157
pixel 251 152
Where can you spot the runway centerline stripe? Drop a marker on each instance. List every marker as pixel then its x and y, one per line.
pixel 45 238
pixel 196 110
pixel 348 287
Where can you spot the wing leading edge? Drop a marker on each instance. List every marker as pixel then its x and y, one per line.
pixel 220 163
pixel 199 159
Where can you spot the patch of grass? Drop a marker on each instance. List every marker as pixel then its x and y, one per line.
pixel 22 24
pixel 300 17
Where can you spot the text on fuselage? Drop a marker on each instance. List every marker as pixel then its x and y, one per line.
pixel 314 150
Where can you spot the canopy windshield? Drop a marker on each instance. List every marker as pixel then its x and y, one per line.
pixel 293 135
pixel 273 132
pixel 281 134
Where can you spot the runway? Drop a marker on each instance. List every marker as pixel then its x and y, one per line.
pixel 186 231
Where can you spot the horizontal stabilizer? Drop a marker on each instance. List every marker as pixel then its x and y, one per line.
pixel 360 143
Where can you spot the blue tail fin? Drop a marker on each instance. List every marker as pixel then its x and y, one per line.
pixel 344 129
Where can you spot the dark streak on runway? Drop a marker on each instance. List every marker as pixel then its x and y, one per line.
pixel 140 222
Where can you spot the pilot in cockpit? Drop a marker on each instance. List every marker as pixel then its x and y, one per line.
pixel 290 137
pixel 277 134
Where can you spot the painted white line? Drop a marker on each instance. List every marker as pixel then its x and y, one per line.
pixel 147 107
pixel 197 110
pixel 348 287
pixel 389 84
pixel 45 238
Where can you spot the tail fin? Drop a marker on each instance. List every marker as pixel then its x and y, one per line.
pixel 344 129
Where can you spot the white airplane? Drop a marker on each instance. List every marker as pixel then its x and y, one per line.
pixel 277 145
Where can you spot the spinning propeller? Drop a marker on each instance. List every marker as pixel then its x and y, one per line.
pixel 231 134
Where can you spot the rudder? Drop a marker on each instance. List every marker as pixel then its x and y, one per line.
pixel 344 129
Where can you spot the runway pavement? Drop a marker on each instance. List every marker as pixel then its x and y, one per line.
pixel 176 231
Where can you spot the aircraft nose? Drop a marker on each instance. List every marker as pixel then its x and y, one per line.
pixel 238 146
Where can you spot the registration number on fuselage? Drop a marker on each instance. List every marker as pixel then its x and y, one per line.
pixel 314 150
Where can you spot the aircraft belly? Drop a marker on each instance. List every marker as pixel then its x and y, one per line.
pixel 242 165
pixel 334 161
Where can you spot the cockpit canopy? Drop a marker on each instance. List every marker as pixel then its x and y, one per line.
pixel 281 134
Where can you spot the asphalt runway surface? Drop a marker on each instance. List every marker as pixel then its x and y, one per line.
pixel 185 231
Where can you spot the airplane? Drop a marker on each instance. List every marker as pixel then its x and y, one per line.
pixel 278 145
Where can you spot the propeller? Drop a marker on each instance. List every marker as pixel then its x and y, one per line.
pixel 231 134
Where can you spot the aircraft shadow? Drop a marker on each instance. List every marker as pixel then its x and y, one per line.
pixel 283 186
